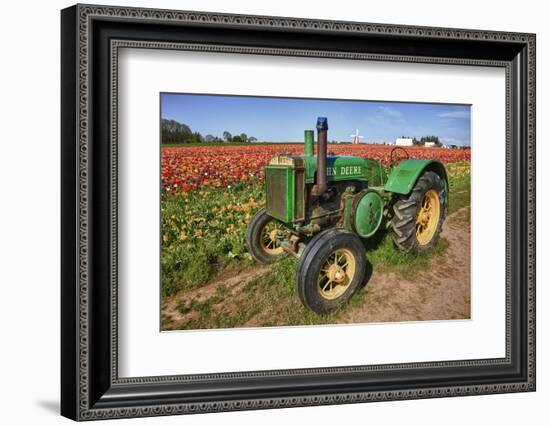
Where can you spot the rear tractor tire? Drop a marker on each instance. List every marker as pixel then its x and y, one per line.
pixel 419 216
pixel 330 270
pixel 261 238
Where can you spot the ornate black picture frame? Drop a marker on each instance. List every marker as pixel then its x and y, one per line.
pixel 91 36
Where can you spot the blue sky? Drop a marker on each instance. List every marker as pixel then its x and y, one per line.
pixel 285 119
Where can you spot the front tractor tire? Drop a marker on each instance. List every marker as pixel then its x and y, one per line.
pixel 330 270
pixel 261 238
pixel 418 217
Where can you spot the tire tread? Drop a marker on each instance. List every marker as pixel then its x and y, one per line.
pixel 405 212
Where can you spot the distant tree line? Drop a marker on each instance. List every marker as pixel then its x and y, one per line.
pixel 228 137
pixel 174 132
pixel 424 139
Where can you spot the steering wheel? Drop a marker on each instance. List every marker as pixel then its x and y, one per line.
pixel 394 161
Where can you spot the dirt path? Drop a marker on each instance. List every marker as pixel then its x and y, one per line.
pixel 440 292
pixel 228 285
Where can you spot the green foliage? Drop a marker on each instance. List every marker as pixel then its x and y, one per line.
pixel 196 138
pixel 210 138
pixel 202 231
pixel 260 295
pixel 384 256
pixel 242 138
pixel 174 132
pixel 434 139
pixel 459 185
pixel 430 138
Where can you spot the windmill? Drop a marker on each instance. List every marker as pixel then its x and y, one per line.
pixel 356 137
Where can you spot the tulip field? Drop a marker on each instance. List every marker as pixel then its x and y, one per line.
pixel 209 193
pixel 191 168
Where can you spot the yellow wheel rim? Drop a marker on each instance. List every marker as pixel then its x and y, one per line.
pixel 336 274
pixel 427 219
pixel 268 238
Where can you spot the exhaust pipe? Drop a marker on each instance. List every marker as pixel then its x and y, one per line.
pixel 308 142
pixel 321 182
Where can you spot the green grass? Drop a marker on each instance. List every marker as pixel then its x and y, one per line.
pixel 459 186
pixel 384 256
pixel 261 295
pixel 202 233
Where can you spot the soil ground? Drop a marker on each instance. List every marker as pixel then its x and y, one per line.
pixel 237 299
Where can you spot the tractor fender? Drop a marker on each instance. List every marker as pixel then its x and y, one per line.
pixel 403 177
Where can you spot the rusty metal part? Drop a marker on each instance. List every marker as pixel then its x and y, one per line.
pixel 321 180
pixel 310 229
pixel 294 240
pixel 325 213
pixel 292 245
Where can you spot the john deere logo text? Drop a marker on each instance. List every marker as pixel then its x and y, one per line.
pixel 343 170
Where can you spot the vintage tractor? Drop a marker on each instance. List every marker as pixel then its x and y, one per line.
pixel 322 209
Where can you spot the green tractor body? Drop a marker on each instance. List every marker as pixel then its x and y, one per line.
pixel 359 190
pixel 288 179
pixel 316 199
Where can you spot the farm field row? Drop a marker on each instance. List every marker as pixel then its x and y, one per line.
pixel 195 168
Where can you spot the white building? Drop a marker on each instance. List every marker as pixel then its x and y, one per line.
pixel 429 144
pixel 404 142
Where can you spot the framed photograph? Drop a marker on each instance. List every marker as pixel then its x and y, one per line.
pixel 263 212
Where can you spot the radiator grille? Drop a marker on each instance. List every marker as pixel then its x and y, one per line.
pixel 276 193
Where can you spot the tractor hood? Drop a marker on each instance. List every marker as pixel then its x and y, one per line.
pixel 339 168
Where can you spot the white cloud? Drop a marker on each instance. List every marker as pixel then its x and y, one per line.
pixel 390 112
pixel 454 114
